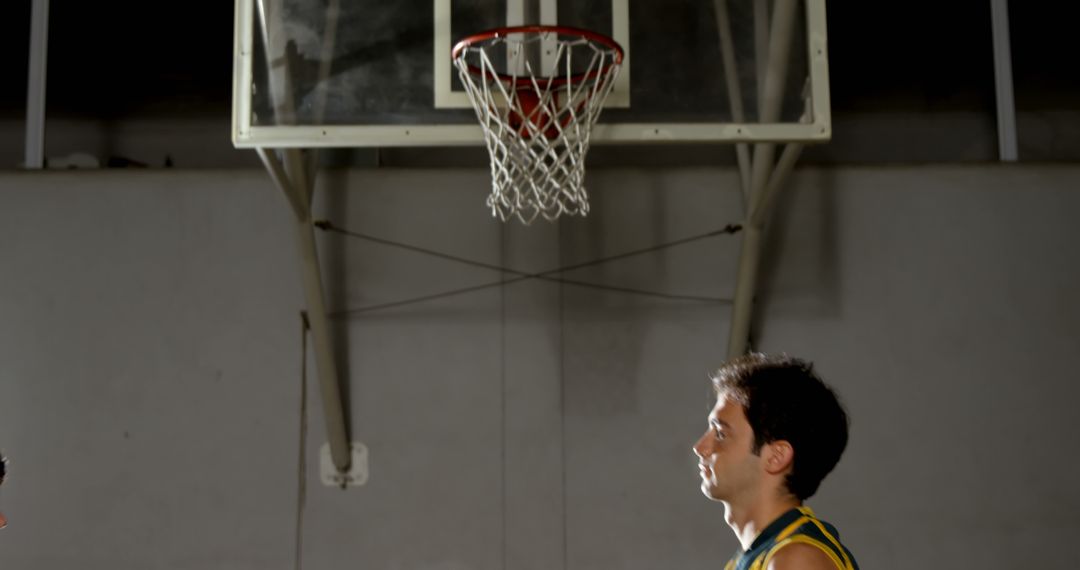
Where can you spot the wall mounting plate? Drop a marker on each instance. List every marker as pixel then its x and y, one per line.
pixel 357 474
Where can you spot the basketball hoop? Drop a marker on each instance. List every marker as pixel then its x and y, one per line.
pixel 537 120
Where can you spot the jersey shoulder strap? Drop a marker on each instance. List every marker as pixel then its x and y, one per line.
pixel 807 529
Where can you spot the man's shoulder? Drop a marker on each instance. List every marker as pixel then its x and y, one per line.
pixel 802 556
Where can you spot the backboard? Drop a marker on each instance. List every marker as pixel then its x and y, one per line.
pixel 355 73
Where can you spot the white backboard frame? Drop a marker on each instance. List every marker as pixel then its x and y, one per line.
pixel 245 135
pixel 448 98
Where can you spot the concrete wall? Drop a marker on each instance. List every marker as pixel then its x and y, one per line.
pixel 151 364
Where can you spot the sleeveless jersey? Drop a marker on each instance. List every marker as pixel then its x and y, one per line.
pixel 796 525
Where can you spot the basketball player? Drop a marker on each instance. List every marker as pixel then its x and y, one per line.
pixel 776 431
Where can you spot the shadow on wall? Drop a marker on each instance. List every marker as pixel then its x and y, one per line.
pixel 806 285
pixel 604 332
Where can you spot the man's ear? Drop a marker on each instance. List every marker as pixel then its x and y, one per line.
pixel 779 457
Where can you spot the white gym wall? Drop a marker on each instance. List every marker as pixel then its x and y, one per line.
pixel 150 368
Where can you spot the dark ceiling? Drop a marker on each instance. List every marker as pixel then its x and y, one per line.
pixel 127 58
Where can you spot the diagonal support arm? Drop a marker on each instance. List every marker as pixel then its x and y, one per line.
pixel 291 179
pixel 763 189
pixel 734 89
pixel 294 174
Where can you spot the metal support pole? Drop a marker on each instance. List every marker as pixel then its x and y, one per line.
pixel 326 58
pixel 743 306
pixel 277 173
pixel 749 259
pixel 333 407
pixel 1003 82
pixel 761 49
pixel 775 76
pixel 294 174
pixel 35 85
pixel 780 36
pixel 761 209
pixel 291 183
pixel 277 62
pixel 731 79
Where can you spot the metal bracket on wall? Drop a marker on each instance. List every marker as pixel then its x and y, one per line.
pixel 355 476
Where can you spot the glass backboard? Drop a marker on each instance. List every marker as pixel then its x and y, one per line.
pixel 356 73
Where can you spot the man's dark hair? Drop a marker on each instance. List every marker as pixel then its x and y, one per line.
pixel 785 400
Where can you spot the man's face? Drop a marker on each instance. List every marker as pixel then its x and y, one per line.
pixel 729 468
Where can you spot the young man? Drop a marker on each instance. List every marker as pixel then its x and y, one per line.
pixel 776 431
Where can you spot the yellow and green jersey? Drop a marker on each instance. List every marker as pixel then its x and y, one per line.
pixel 796 525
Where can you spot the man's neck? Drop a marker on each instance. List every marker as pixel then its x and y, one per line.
pixel 749 520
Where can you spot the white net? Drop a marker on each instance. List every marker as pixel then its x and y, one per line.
pixel 537 123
